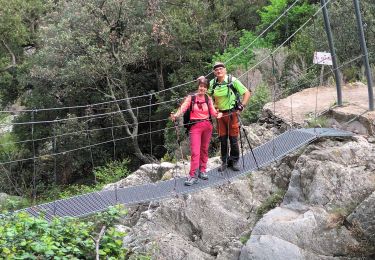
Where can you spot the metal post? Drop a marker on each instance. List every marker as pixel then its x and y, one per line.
pixel 365 53
pixel 327 26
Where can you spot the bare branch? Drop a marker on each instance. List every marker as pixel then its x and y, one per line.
pixel 14 63
pixel 97 241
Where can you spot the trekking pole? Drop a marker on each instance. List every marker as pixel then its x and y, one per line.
pixel 243 160
pixel 179 144
pixel 248 142
pixel 228 144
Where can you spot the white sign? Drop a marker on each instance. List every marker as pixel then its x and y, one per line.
pixel 323 58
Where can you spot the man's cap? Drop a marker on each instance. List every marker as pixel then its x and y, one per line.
pixel 219 64
pixel 202 80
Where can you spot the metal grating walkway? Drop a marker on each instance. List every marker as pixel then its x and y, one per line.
pixel 265 154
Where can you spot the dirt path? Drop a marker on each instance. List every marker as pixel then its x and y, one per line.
pixel 302 106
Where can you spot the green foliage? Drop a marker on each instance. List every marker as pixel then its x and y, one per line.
pixel 248 42
pixel 18 22
pixel 260 97
pixel 109 173
pixel 271 202
pixel 168 158
pixel 13 203
pixel 306 79
pixel 112 171
pixel 351 74
pixel 6 143
pixel 172 136
pixel 244 239
pixel 25 237
pixel 289 23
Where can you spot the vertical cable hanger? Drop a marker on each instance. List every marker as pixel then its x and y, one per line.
pixel 34 158
pixel 114 154
pixel 14 184
pixel 179 145
pixel 316 107
pixel 150 130
pixel 291 108
pixel 90 148
pixel 54 150
pixel 273 101
pixel 113 139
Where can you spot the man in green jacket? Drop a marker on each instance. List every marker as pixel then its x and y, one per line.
pixel 223 89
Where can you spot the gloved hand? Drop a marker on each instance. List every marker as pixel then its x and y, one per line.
pixel 240 107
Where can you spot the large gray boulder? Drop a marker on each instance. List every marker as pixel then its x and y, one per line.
pixel 334 174
pixel 362 219
pixel 287 234
pixel 328 181
pixel 204 225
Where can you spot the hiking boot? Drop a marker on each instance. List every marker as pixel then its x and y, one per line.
pixel 190 181
pixel 235 166
pixel 223 167
pixel 203 175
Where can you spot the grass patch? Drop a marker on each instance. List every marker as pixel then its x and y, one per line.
pixel 244 239
pixel 321 121
pixel 7 143
pixel 271 202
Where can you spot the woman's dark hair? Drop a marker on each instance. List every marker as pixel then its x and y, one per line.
pixel 202 80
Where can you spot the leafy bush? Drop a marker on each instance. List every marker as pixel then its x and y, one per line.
pixel 25 237
pixel 260 97
pixel 13 203
pixel 288 24
pixel 111 172
pixel 246 57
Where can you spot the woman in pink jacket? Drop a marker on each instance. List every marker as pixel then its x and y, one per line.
pixel 200 131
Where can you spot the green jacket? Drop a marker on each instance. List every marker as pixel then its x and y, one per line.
pixel 223 96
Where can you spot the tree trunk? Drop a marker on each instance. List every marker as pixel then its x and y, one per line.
pixel 133 133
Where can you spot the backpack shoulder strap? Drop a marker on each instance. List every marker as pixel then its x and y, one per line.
pixel 215 84
pixel 192 102
pixel 230 85
pixel 208 104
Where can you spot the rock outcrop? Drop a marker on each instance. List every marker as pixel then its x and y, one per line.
pixel 327 211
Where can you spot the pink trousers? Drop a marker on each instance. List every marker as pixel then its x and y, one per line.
pixel 200 136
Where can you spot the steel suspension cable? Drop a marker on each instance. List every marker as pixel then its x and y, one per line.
pixel 261 34
pixel 88 116
pixel 282 44
pixel 276 49
pixel 344 64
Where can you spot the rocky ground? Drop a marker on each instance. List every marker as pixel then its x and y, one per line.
pixel 317 203
pixel 326 213
pixel 307 104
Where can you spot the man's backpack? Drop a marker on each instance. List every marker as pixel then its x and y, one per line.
pixel 231 87
pixel 186 117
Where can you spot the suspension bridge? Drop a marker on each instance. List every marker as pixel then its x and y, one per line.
pixel 261 156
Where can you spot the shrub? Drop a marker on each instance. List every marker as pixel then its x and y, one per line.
pixel 259 98
pixel 111 172
pixel 25 237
